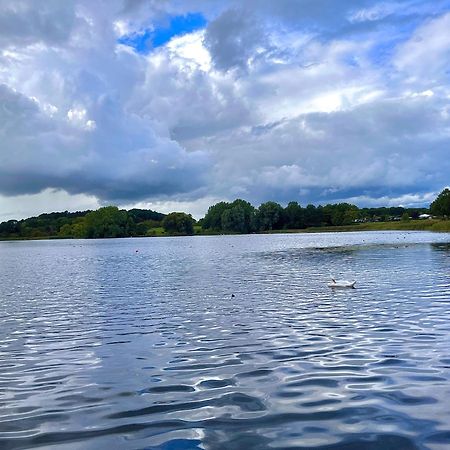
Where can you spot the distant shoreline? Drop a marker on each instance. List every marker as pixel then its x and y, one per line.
pixel 434 225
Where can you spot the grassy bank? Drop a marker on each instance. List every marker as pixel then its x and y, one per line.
pixel 409 225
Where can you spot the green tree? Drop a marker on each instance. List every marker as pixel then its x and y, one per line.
pixel 144 215
pixel 344 214
pixel 294 217
pixel 269 216
pixel 178 223
pixel 441 206
pixel 9 228
pixel 313 216
pixel 339 214
pixel 350 215
pixel 238 217
pixel 79 228
pixel 213 218
pixel 66 230
pixel 107 222
pixel 327 214
pixel 233 219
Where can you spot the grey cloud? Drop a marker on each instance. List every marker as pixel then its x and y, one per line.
pixel 233 38
pixel 385 148
pixel 126 161
pixel 24 22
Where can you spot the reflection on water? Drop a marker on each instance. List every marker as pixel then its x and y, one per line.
pixel 105 347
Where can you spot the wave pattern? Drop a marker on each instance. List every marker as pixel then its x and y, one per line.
pixel 103 346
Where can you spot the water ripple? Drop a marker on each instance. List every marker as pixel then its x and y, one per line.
pixel 105 347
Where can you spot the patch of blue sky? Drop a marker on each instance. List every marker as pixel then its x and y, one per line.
pixel 147 40
pixel 390 38
pixel 382 52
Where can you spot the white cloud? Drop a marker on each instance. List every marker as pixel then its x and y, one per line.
pixel 425 56
pixel 78 117
pixel 49 200
pixel 190 49
pixel 375 12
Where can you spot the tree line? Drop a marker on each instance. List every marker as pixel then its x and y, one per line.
pixel 109 221
pixel 242 217
pixel 238 216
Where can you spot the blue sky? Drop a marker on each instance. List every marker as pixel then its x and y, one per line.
pixel 177 105
pixel 145 40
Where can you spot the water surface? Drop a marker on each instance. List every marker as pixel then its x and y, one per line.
pixel 139 343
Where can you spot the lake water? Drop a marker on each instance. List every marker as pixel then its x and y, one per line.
pixel 139 344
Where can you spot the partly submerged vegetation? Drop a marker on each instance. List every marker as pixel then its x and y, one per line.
pixel 229 217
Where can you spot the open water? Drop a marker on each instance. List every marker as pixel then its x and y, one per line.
pixel 140 343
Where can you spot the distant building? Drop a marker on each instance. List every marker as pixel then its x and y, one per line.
pixel 425 216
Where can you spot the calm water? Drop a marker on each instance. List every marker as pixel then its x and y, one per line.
pixel 106 347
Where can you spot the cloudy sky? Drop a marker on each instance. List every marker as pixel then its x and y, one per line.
pixel 174 105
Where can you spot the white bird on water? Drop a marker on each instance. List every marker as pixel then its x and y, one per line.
pixel 341 283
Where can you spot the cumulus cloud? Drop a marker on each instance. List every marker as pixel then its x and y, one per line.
pixel 67 126
pixel 120 158
pixel 290 100
pixel 180 91
pixel 383 147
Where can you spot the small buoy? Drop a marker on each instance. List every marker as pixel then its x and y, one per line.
pixel 232 295
pixel 137 251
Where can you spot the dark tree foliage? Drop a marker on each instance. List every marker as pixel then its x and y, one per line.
pixel 233 220
pixel 230 217
pixel 238 217
pixel 108 222
pixel 313 216
pixel 441 206
pixel 294 216
pixel 269 216
pixel 143 215
pixel 213 218
pixel 339 214
pixel 178 223
pixel 9 228
pixel 43 225
pixel 83 224
pixel 235 217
